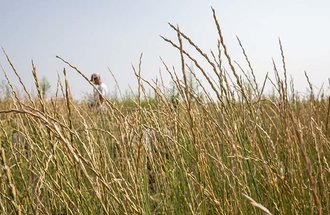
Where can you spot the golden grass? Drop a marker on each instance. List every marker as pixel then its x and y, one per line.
pixel 240 152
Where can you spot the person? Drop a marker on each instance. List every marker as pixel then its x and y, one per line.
pixel 98 97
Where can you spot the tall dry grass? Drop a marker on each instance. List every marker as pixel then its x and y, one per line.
pixel 238 152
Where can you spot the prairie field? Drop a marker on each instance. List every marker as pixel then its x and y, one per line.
pixel 218 146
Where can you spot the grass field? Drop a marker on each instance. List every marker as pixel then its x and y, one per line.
pixel 237 152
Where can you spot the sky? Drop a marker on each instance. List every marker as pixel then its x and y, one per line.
pixel 97 35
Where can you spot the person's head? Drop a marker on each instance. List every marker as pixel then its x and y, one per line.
pixel 96 78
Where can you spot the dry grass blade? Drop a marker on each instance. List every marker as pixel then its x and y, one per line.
pixel 257 205
pixel 18 76
pixel 328 115
pixel 239 83
pixel 37 84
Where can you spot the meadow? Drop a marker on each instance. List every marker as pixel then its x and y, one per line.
pixel 234 150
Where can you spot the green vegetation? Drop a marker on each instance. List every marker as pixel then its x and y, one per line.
pixel 238 152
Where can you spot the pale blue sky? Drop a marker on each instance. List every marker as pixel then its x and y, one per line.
pixel 94 35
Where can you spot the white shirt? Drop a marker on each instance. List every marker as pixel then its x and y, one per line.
pixel 103 90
